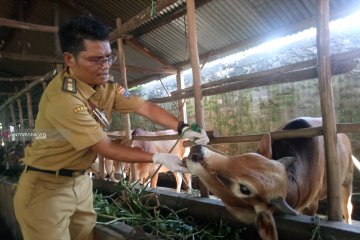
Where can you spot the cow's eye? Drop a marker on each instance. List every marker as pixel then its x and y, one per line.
pixel 244 190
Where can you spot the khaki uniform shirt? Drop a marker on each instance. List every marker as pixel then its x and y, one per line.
pixel 66 122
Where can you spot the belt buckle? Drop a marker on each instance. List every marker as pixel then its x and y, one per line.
pixel 77 173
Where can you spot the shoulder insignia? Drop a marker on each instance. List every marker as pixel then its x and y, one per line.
pixel 123 91
pixel 81 108
pixel 69 85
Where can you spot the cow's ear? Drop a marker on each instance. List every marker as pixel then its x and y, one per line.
pixel 265 225
pixel 265 146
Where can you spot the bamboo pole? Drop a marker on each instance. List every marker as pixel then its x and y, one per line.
pixel 328 113
pixel 195 65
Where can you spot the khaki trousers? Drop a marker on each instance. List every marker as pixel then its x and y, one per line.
pixel 55 207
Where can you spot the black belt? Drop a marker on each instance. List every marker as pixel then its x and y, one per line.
pixel 61 172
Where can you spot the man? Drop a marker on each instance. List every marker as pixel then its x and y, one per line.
pixel 54 198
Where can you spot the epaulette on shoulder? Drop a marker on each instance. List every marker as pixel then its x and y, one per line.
pixel 69 85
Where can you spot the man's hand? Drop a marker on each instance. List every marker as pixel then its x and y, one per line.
pixel 171 161
pixel 197 137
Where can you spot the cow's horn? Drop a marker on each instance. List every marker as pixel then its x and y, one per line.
pixel 281 205
pixel 287 161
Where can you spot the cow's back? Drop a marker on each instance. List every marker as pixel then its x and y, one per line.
pixel 308 170
pixel 307 182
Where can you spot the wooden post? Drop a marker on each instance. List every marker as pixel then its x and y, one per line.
pixel 13 118
pixel 12 114
pixel 195 64
pixel 59 66
pixel 30 110
pixel 328 113
pixel 5 123
pixel 21 119
pixel 20 6
pixel 123 77
pixel 181 103
pixel 101 167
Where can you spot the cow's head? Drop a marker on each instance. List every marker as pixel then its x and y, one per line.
pixel 251 185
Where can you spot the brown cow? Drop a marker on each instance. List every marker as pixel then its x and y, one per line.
pixel 147 171
pixel 252 185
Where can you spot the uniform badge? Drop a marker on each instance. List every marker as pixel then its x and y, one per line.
pixel 69 85
pixel 123 91
pixel 80 109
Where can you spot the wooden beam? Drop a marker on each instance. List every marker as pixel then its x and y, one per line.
pixel 139 47
pixel 130 68
pixel 27 26
pixel 140 18
pixel 18 79
pixel 165 19
pixel 338 61
pixel 283 134
pixel 46 77
pixel 269 77
pixel 59 60
pixel 31 58
pixel 144 80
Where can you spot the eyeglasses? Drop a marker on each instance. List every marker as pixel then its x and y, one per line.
pixel 99 61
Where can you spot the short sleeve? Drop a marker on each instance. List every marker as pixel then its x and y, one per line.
pixel 126 102
pixel 71 118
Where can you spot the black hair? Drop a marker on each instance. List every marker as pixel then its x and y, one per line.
pixel 73 33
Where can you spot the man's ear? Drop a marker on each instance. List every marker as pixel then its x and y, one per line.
pixel 69 59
